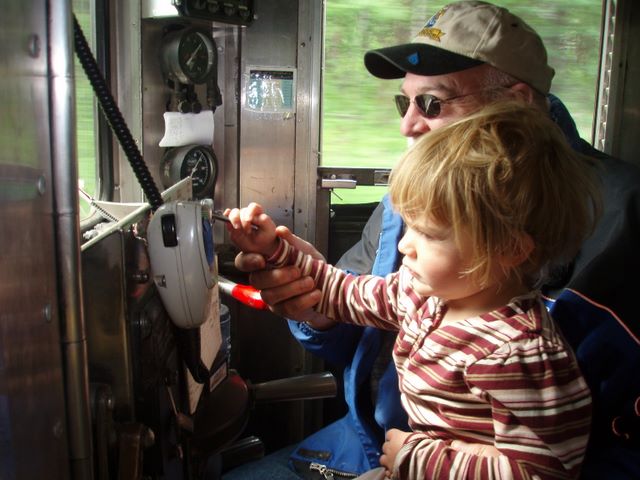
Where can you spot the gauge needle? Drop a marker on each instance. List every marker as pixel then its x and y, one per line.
pixel 193 55
pixel 193 170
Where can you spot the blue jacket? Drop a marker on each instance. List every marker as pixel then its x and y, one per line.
pixel 594 303
pixel 592 300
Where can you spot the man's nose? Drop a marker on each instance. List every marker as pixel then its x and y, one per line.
pixel 413 124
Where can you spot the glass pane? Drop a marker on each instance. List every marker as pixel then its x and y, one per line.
pixel 360 125
pixel 85 113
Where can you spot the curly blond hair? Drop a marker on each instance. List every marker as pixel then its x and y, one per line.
pixel 506 176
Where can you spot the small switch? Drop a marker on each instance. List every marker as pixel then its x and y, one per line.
pixel 169 233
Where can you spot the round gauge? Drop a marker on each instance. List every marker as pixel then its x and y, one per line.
pixel 195 161
pixel 189 56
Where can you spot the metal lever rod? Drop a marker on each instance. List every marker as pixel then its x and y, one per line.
pixel 243 293
pixel 304 387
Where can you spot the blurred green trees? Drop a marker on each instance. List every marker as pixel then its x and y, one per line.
pixel 360 125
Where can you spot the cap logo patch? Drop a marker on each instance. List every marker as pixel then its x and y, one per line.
pixel 432 21
pixel 413 59
pixel 429 30
pixel 433 33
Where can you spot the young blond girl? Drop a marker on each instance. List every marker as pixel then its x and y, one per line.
pixel 491 388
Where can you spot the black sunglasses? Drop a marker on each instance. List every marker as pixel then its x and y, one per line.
pixel 429 105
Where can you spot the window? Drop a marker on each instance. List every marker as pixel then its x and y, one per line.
pixel 360 125
pixel 85 114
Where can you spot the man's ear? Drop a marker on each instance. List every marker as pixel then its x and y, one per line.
pixel 522 91
pixel 516 258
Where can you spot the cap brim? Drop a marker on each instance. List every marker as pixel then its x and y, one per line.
pixel 417 58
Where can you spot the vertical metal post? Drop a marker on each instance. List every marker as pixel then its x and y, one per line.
pixel 67 232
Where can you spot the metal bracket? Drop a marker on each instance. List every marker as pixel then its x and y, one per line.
pixel 350 177
pixel 338 181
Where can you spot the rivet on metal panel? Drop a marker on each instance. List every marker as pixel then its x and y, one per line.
pixel 34 45
pixel 109 402
pixel 58 429
pixel 148 438
pixel 41 185
pixel 46 313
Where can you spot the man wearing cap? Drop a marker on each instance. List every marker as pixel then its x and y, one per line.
pixel 468 54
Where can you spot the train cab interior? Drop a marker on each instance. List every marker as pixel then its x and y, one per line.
pixel 131 346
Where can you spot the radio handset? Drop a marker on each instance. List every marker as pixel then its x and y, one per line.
pixel 182 255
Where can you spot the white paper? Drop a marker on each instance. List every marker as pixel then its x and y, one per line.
pixel 187 128
pixel 210 343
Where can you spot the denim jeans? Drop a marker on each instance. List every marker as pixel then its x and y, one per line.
pixel 271 467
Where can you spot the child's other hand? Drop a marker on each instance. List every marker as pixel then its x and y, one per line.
pixel 252 230
pixel 475 449
pixel 394 441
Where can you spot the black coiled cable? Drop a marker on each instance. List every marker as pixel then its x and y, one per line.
pixel 114 117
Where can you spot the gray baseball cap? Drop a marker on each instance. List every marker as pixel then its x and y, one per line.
pixel 463 35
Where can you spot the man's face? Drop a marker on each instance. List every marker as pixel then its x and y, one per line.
pixel 415 123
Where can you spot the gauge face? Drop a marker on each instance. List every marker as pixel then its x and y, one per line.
pixel 197 56
pixel 198 162
pixel 189 56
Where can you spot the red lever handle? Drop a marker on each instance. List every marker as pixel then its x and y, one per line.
pixel 243 293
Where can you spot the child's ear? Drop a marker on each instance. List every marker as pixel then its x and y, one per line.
pixel 516 258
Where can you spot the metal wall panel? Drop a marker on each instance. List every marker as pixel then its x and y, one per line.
pixel 310 23
pixel 33 438
pixel 267 140
pixel 108 342
pixel 273 161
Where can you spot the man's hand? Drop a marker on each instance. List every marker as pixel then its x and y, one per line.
pixel 285 290
pixel 394 440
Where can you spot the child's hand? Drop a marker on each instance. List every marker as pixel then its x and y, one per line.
pixel 475 449
pixel 394 441
pixel 252 230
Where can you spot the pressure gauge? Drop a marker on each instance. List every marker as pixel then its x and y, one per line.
pixel 189 56
pixel 195 161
